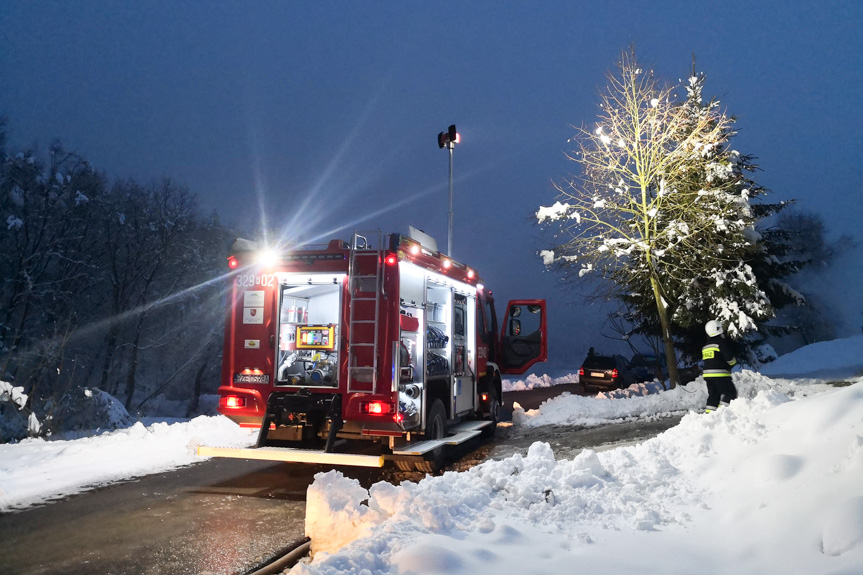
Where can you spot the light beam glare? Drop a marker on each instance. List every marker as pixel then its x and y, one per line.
pixel 389 208
pixel 304 212
pixel 101 325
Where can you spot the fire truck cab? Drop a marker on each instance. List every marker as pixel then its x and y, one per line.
pixel 358 353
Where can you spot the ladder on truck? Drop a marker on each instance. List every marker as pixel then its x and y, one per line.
pixel 363 321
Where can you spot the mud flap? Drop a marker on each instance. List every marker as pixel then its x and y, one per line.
pixel 335 418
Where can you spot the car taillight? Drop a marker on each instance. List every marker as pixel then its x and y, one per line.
pixel 377 407
pixel 232 402
pixel 614 373
pixel 581 370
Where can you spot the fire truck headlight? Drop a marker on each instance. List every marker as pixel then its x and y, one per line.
pixel 266 258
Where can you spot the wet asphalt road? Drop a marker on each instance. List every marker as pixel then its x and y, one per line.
pixel 224 516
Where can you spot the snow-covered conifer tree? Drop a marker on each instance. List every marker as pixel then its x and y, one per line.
pixel 659 209
pixel 717 280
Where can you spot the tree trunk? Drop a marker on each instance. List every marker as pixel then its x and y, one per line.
pixel 133 362
pixel 193 407
pixel 17 338
pixel 110 347
pixel 668 342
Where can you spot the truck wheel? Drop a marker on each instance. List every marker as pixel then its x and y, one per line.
pixel 494 415
pixel 436 429
pixel 404 465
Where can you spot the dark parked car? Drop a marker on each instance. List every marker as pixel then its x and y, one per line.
pixel 605 372
pixel 647 368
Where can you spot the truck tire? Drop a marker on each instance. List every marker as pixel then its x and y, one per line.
pixel 405 465
pixel 435 429
pixel 494 415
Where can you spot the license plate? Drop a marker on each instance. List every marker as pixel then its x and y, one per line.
pixel 252 378
pixel 597 374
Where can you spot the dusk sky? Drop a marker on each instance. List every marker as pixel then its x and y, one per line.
pixel 324 115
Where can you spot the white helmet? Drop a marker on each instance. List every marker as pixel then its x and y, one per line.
pixel 713 328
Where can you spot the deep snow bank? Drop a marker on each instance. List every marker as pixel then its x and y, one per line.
pixel 734 476
pixel 839 358
pixel 534 381
pixel 37 469
pixel 646 401
pixel 640 400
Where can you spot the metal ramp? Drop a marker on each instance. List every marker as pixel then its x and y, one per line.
pixel 365 290
pixel 462 432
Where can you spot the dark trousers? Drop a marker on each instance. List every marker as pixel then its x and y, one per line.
pixel 719 389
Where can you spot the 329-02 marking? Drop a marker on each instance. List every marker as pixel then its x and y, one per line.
pixel 251 280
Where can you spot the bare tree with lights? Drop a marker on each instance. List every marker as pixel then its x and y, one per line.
pixel 633 216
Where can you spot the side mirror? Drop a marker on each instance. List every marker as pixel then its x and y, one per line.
pixel 534 308
pixel 515 311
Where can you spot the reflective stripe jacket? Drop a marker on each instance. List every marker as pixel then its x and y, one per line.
pixel 718 357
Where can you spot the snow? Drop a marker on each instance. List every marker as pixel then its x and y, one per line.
pixel 534 381
pixel 38 470
pixel 557 211
pixel 12 394
pixel 638 401
pixel 844 360
pixel 13 222
pixel 770 484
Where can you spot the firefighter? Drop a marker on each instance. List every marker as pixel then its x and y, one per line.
pixel 718 361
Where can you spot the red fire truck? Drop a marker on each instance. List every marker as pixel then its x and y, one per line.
pixel 355 354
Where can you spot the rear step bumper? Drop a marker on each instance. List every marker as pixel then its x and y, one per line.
pixel 461 433
pixel 293 455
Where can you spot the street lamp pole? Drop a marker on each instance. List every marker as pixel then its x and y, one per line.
pixel 448 140
pixel 451 146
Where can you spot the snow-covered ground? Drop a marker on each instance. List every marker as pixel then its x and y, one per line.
pixel 771 484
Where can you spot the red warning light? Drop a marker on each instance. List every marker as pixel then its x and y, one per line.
pixel 233 402
pixel 377 407
pixel 392 259
pixel 233 262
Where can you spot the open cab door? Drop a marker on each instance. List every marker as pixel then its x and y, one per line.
pixel 524 337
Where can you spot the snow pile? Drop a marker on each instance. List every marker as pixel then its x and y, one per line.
pixel 37 469
pixel 646 401
pixel 642 400
pixel 535 381
pixel 769 484
pixel 839 358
